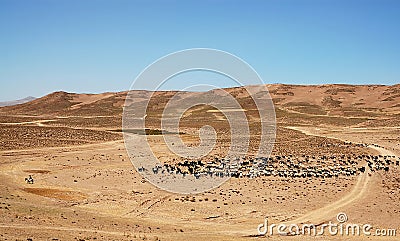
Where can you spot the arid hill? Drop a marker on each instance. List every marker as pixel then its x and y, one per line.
pixel 357 103
pixel 347 100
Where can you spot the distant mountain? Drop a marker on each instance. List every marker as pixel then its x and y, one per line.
pixel 290 100
pixel 63 103
pixel 16 102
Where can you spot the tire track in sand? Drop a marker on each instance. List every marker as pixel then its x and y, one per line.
pixel 325 213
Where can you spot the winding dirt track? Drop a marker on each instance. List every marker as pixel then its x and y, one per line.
pixel 38 122
pixel 325 213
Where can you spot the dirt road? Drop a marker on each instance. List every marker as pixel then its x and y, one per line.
pixel 325 213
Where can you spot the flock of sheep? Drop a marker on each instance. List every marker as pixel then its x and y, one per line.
pixel 281 166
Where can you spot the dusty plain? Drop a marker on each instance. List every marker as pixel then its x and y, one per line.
pixel 85 187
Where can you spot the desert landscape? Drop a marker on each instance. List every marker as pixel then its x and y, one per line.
pixel 337 149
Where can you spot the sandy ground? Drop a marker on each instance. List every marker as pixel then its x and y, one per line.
pixel 86 188
pixel 93 192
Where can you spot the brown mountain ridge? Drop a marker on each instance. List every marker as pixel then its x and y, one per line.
pixel 358 101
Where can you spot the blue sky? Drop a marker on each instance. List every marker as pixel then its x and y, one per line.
pixel 96 46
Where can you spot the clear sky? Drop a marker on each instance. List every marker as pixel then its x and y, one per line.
pixel 96 46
